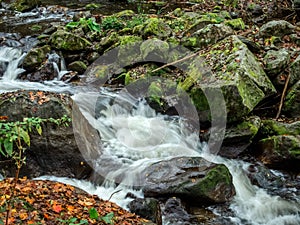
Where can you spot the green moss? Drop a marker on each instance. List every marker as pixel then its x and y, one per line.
pixel 156 27
pixel 236 24
pixel 155 92
pixel 216 176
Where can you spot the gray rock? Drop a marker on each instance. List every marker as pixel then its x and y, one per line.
pixel 210 34
pixel 281 151
pixel 193 179
pixel 64 40
pixel 55 152
pixel 148 208
pixel 276 61
pixel 295 71
pixel 239 137
pixel 277 28
pixel 291 105
pixel 78 66
pixel 235 72
pixel 35 57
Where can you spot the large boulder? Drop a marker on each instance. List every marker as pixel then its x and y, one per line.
pixel 277 28
pixel 55 152
pixel 64 40
pixel 281 151
pixel 291 105
pixel 192 179
pixel 236 72
pixel 35 57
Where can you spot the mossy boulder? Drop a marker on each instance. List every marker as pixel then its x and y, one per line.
pixel 236 24
pixel 77 66
pixel 280 151
pixel 128 49
pixel 35 57
pixel 25 5
pixel 155 50
pixel 64 40
pixel 210 34
pixel 238 137
pixel 295 71
pixel 291 105
pixel 192 179
pixel 235 72
pixel 277 28
pixel 276 61
pixel 273 127
pixel 155 27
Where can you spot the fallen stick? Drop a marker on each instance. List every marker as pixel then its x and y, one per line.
pixel 283 96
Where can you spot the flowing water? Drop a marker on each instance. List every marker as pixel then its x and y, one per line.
pixel 133 136
pixel 10 60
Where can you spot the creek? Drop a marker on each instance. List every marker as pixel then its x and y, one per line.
pixel 133 136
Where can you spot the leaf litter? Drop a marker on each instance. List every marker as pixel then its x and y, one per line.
pixel 49 202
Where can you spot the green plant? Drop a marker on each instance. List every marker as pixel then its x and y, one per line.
pixel 108 218
pixel 73 221
pixel 112 22
pixel 13 136
pixel 90 23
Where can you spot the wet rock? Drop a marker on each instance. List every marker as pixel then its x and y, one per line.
pixel 148 208
pixel 281 151
pixel 277 28
pixel 292 101
pixel 78 66
pixel 64 40
pixel 155 27
pixel 175 213
pixel 239 137
pixel 192 179
pixel 55 152
pixel 25 5
pixel 235 72
pixel 276 61
pixel 35 57
pixel 210 34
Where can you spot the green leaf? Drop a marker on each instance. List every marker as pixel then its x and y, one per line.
pixel 8 146
pixel 73 220
pixel 72 25
pixel 93 213
pixel 108 218
pixel 1 151
pixel 38 128
pixel 24 135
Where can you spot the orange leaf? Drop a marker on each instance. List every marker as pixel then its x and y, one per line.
pixel 70 208
pixel 23 216
pixel 46 216
pixel 57 208
pixel 3 117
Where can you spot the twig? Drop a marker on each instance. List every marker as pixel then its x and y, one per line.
pixel 283 95
pixel 177 61
pixel 113 194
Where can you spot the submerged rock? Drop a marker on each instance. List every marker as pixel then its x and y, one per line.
pixel 192 179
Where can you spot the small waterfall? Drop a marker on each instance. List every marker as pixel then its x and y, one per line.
pixel 10 58
pixel 253 204
pixel 133 136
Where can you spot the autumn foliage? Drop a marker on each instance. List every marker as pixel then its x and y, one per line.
pixel 47 202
